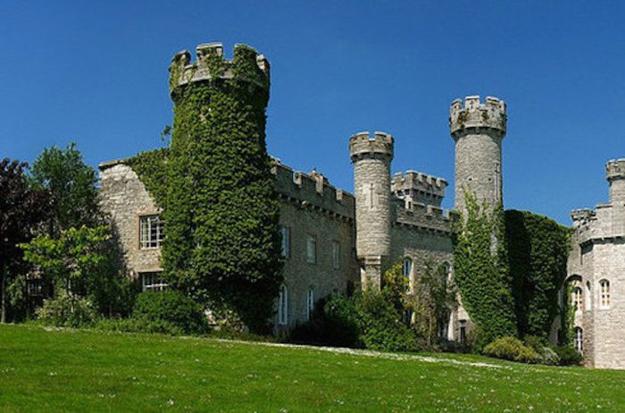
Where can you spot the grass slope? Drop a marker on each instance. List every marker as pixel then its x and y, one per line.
pixel 89 371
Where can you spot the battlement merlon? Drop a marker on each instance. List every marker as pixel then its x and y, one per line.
pixel 615 169
pixel 363 145
pixel 418 181
pixel 473 114
pixel 582 215
pixel 247 65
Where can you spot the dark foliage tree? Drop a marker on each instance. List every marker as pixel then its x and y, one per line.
pixel 22 210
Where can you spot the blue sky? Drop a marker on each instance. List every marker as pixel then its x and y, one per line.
pixel 96 73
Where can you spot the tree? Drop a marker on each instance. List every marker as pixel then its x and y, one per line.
pixel 22 209
pixel 72 186
pixel 76 260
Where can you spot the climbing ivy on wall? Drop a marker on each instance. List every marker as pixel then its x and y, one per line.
pixel 481 271
pixel 538 250
pixel 151 167
pixel 222 243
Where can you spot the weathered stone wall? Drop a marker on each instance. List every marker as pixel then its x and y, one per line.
pixel 417 187
pixel 125 199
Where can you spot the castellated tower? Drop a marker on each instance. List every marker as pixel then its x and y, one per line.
pixel 478 130
pixel 615 172
pixel 371 156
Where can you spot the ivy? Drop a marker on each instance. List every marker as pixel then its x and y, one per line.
pixel 221 209
pixel 538 249
pixel 481 271
pixel 151 167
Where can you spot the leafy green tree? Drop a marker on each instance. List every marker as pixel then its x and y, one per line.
pixel 22 209
pixel 481 271
pixel 221 212
pixel 72 185
pixel 76 261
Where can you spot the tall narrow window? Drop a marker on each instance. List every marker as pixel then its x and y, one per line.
pixel 311 249
pixel 577 298
pixel 579 339
pixel 283 306
pixel 310 302
pixel 151 231
pixel 588 296
pixel 407 268
pixel 604 289
pixel 153 281
pixel 285 232
pixel 336 255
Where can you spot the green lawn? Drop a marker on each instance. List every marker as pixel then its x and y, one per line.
pixel 89 371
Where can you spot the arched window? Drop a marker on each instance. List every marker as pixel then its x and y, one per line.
pixel 310 302
pixel 588 296
pixel 579 339
pixel 283 305
pixel 604 291
pixel 407 268
pixel 577 298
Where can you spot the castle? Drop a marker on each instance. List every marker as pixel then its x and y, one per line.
pixel 335 241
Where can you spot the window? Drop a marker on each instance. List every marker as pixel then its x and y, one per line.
pixel 310 302
pixel 285 232
pixel 151 230
pixel 577 298
pixel 463 331
pixel 604 288
pixel 407 268
pixel 588 297
pixel 336 255
pixel 579 339
pixel 311 250
pixel 153 281
pixel 283 304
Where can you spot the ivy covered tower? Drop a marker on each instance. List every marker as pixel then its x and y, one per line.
pixel 371 156
pixel 221 214
pixel 478 130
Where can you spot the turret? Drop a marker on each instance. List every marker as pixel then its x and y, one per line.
pixel 371 156
pixel 615 172
pixel 478 130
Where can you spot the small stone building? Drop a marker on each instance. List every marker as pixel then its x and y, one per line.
pixel 596 276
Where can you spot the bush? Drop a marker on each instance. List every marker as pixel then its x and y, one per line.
pixel 169 312
pixel 547 355
pixel 133 325
pixel 568 356
pixel 511 348
pixel 332 323
pixel 381 325
pixel 64 311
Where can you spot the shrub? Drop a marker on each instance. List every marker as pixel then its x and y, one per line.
pixel 381 326
pixel 133 325
pixel 65 311
pixel 568 356
pixel 162 310
pixel 547 355
pixel 511 348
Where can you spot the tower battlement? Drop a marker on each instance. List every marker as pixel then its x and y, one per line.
pixel 246 65
pixel 363 145
pixel 472 114
pixel 419 187
pixel 615 169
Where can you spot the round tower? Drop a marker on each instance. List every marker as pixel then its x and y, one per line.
pixel 478 130
pixel 371 156
pixel 615 172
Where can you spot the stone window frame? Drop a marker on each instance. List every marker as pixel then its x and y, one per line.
pixel 283 305
pixel 577 298
pixel 160 232
pixel 157 283
pixel 285 243
pixel 578 340
pixel 604 294
pixel 310 302
pixel 407 268
pixel 336 255
pixel 311 253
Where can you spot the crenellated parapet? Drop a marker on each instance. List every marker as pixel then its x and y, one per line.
pixel 615 169
pixel 246 65
pixel 363 145
pixel 473 114
pixel 414 186
pixel 422 217
pixel 312 191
